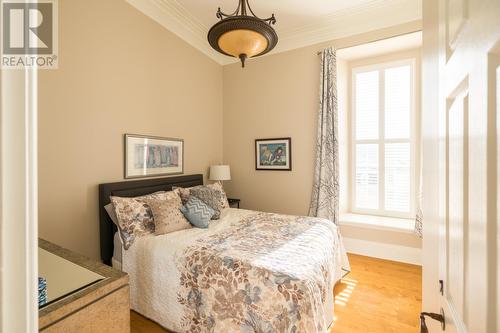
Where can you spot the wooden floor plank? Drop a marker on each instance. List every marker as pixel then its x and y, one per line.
pixel 377 296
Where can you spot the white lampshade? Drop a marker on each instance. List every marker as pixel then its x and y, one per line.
pixel 220 172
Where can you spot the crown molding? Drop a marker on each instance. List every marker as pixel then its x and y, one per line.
pixel 350 22
pixel 374 15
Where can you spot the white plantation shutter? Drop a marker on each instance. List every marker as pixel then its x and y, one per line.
pixel 367 104
pixel 397 102
pixel 367 179
pixel 397 177
pixel 382 140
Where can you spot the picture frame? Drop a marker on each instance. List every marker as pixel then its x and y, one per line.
pixel 152 156
pixel 273 154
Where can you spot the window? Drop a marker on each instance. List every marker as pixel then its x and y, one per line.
pixel 383 143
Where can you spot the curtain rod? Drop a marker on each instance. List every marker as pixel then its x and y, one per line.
pixel 373 41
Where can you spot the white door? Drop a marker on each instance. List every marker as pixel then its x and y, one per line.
pixel 466 166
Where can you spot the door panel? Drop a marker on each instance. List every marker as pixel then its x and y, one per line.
pixel 469 32
pixel 456 16
pixel 457 226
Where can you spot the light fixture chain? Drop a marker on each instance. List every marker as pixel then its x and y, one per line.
pixel 270 20
pixel 242 6
pixel 221 15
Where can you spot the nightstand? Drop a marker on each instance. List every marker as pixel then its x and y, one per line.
pixel 234 203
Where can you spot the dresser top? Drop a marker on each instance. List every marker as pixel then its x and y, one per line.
pixel 62 276
pixel 73 281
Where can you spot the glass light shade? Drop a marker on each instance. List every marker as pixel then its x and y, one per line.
pixel 242 41
pixel 220 172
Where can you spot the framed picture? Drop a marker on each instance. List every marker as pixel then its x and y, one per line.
pixel 273 154
pixel 149 156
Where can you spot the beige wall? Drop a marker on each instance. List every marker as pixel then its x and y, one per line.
pixel 277 96
pixel 119 72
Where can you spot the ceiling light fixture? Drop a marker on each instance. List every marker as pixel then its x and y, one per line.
pixel 241 35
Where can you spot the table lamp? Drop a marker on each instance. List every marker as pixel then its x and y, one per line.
pixel 220 173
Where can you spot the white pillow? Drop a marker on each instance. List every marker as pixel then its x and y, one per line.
pixel 111 212
pixel 110 209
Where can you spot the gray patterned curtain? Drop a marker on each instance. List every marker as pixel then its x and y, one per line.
pixel 325 194
pixel 418 220
pixel 419 214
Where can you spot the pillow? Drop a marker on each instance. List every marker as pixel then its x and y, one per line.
pixel 167 215
pixel 197 212
pixel 111 212
pixel 134 216
pixel 221 195
pixel 204 192
pixel 210 196
pixel 112 215
pixel 183 192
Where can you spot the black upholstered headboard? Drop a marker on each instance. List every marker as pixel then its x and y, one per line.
pixel 132 189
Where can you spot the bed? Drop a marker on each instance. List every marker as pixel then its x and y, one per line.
pixel 248 272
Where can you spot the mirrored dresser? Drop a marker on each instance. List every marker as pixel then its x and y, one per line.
pixel 80 295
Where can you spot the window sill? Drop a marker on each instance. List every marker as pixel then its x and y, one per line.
pixel 378 222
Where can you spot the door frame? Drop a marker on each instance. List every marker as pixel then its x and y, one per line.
pixel 430 160
pixel 18 201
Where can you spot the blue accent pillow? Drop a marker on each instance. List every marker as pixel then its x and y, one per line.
pixel 42 291
pixel 197 212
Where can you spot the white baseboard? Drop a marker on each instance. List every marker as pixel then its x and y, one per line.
pixel 409 255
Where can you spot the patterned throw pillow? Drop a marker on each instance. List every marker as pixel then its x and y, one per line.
pixel 221 195
pixel 185 193
pixel 135 218
pixel 218 201
pixel 197 212
pixel 209 196
pixel 167 215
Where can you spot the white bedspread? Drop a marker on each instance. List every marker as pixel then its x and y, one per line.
pixel 155 265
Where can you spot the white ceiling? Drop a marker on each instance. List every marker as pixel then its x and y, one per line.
pixel 299 22
pixel 289 13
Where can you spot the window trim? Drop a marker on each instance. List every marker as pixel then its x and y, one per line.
pixel 381 141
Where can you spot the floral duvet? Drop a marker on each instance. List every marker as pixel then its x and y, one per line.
pixel 249 272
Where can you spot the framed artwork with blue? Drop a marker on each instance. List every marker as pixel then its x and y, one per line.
pixel 150 156
pixel 273 154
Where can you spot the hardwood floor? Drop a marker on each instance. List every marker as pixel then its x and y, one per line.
pixel 377 296
pixel 139 324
